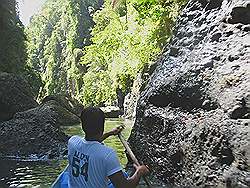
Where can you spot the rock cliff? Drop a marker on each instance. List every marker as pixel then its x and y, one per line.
pixel 28 128
pixel 15 95
pixel 36 131
pixel 193 117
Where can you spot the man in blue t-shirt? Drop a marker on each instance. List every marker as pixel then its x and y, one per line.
pixel 91 163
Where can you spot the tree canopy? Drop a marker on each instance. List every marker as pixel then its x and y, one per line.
pixel 12 51
pixel 90 49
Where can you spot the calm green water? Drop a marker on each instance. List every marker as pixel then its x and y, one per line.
pixel 43 173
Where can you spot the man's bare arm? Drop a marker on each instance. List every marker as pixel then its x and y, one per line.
pixel 114 131
pixel 120 181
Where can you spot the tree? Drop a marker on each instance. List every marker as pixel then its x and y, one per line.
pixel 127 36
pixel 55 34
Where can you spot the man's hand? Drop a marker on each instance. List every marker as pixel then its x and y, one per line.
pixel 119 180
pixel 114 131
pixel 142 170
pixel 117 130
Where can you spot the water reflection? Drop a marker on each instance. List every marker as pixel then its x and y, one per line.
pixel 21 173
pixel 29 173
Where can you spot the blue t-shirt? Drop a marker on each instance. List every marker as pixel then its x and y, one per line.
pixel 90 163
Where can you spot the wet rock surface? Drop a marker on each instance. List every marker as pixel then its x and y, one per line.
pixel 35 131
pixel 15 96
pixel 192 121
pixel 132 98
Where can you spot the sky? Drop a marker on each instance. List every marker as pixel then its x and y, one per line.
pixel 28 8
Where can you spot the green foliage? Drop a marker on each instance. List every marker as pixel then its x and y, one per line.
pixel 54 35
pixel 122 44
pixel 163 13
pixel 91 58
pixel 12 45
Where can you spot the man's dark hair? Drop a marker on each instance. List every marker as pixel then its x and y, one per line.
pixel 92 120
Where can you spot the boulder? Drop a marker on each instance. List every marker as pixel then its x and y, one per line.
pixel 36 131
pixel 112 111
pixel 70 104
pixel 15 95
pixel 63 116
pixel 192 121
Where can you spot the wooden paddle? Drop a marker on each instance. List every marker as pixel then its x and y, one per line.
pixel 132 156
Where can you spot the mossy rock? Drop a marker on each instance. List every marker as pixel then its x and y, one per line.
pixel 67 102
pixel 15 96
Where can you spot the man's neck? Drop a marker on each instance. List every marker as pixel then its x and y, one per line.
pixel 92 139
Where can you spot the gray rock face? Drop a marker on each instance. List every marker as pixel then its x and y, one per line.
pixel 192 124
pixel 68 103
pixel 15 96
pixel 36 131
pixel 132 98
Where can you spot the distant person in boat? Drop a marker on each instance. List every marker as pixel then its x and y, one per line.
pixel 91 163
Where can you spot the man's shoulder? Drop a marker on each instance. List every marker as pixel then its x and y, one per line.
pixel 77 141
pixel 104 151
pixel 74 139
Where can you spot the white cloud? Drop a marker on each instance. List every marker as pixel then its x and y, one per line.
pixel 28 8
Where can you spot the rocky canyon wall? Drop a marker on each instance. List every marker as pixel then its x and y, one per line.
pixel 193 117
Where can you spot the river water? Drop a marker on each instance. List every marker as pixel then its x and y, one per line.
pixel 32 173
pixel 41 174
